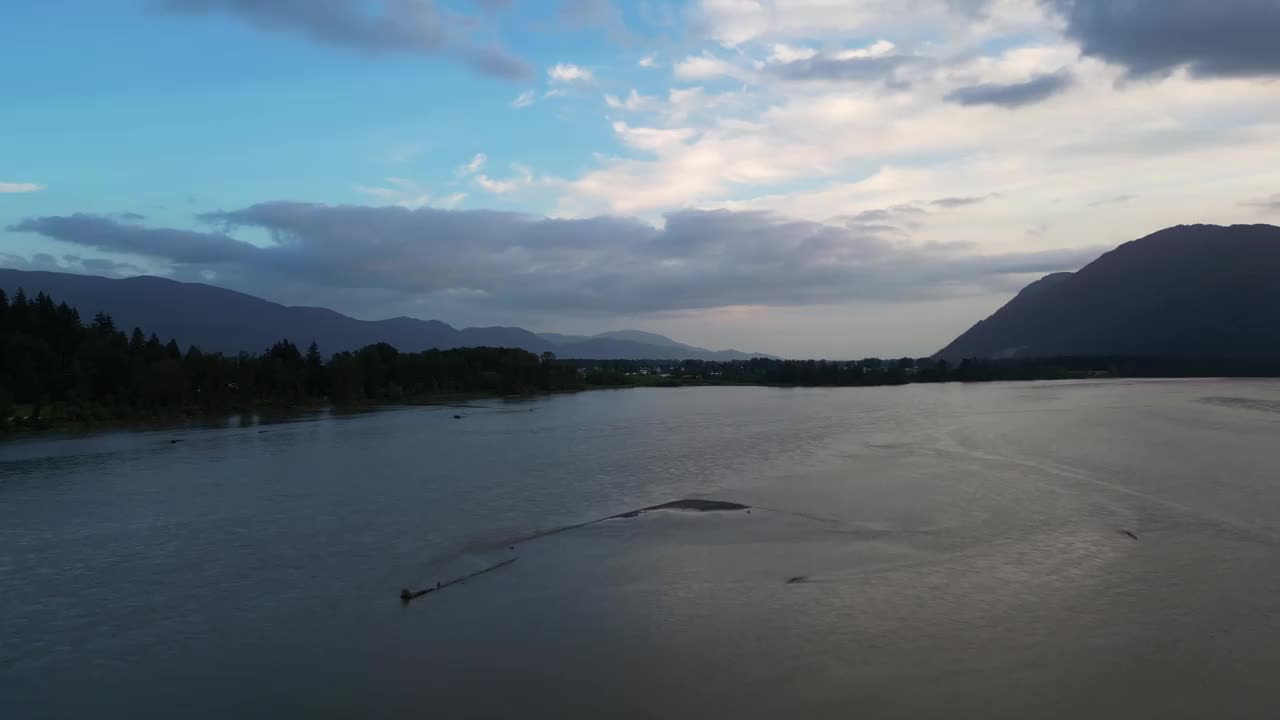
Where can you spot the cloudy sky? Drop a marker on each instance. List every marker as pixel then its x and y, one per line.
pixel 833 178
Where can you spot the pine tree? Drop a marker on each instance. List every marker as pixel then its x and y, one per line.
pixel 103 323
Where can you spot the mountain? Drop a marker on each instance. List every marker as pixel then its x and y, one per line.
pixel 648 338
pixel 1192 291
pixel 221 320
pixel 560 339
pixel 622 344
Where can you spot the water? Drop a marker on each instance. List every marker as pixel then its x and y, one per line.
pixel 960 545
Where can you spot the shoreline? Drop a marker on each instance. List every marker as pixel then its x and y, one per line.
pixel 271 415
pixel 250 416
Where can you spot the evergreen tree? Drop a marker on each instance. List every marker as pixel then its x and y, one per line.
pixel 103 323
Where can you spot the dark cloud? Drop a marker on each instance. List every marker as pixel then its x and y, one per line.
pixel 1115 200
pixel 102 266
pixel 101 233
pixel 1269 205
pixel 69 263
pixel 1155 37
pixel 375 27
pixel 132 216
pixel 605 265
pixel 955 202
pixel 1012 95
pixel 833 68
pixel 603 14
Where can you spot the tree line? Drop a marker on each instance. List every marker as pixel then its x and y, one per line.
pixel 56 368
pixel 902 371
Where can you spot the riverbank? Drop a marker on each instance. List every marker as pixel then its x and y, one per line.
pixel 63 419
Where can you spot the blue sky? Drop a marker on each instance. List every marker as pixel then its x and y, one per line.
pixel 132 107
pixel 805 177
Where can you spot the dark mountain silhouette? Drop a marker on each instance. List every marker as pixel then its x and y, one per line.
pixel 221 320
pixel 641 336
pixel 1197 291
pixel 623 344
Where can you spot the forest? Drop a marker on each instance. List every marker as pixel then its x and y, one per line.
pixel 57 369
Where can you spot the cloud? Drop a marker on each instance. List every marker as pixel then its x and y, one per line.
pixel 1233 38
pixel 738 23
pixel 11 187
pixel 1013 95
pixel 524 99
pixel 648 61
pixel 377 27
pixel 522 179
pixel 705 67
pixel 398 191
pixel 473 166
pixel 955 202
pixel 635 102
pixel 847 66
pixel 179 246
pixel 1113 200
pixel 451 201
pixel 569 74
pixel 70 263
pixel 1267 205
pixel 581 14
pixel 695 260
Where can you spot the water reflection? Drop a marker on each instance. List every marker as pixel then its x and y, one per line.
pixel 960 547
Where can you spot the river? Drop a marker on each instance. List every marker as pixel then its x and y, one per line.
pixel 955 550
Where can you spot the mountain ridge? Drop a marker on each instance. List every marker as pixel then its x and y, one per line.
pixel 1189 291
pixel 221 320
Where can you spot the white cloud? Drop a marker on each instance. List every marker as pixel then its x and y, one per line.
pixel 877 49
pixel 570 74
pixel 854 148
pixel 11 187
pixel 451 201
pixel 783 53
pixel 521 179
pixel 648 61
pixel 474 165
pixel 736 23
pixel 705 67
pixel 652 139
pixel 634 102
pixel 398 191
pixel 524 99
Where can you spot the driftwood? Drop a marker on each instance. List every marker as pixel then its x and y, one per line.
pixel 407 594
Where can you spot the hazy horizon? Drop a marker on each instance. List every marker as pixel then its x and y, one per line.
pixel 805 178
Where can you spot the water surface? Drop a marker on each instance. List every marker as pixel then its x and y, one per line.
pixel 960 545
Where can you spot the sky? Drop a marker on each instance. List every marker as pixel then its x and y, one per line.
pixel 808 178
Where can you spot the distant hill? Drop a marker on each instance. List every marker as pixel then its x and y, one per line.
pixel 1198 291
pixel 622 344
pixel 221 320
